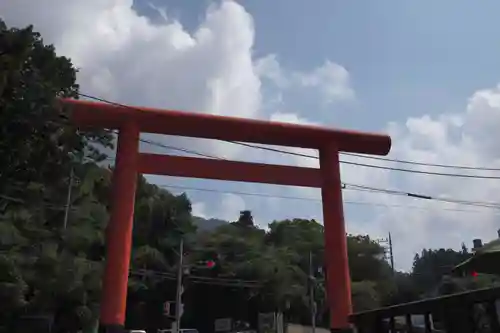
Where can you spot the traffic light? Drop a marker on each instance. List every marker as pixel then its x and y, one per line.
pixel 210 264
pixel 206 264
pixel 210 260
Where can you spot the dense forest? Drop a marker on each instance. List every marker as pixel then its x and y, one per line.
pixel 52 254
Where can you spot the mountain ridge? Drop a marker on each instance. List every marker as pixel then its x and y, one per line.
pixel 204 224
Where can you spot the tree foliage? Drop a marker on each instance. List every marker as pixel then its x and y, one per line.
pixel 431 265
pixel 432 273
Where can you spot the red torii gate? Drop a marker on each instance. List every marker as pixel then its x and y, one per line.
pixel 131 121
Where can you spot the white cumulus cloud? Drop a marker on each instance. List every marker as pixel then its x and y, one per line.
pixel 125 57
pixel 331 80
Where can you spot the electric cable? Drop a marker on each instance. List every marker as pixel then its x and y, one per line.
pixel 355 186
pixel 459 175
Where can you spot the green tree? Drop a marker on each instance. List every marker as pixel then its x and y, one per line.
pixel 405 290
pixel 161 219
pixel 12 285
pixel 39 146
pixel 37 140
pixel 367 259
pixel 432 265
pixel 365 296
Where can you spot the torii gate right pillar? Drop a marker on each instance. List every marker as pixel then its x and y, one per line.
pixel 338 282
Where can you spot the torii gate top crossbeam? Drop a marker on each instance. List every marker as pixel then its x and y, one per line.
pixel 179 123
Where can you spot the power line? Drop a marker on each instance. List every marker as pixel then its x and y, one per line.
pixel 162 145
pixel 196 278
pixel 193 279
pixel 237 192
pixel 348 202
pixel 315 157
pixel 450 166
pixel 356 155
pixel 363 187
pixel 376 204
pixel 154 143
pixel 364 164
pixel 45 204
pixel 394 160
pixel 188 151
pixel 424 197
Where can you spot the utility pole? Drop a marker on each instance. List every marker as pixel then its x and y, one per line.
pixel 388 241
pixel 68 198
pixel 311 294
pixel 390 253
pixel 178 294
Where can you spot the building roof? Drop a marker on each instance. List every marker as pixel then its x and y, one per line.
pixel 485 260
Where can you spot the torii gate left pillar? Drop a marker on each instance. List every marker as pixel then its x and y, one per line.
pixel 131 121
pixel 119 230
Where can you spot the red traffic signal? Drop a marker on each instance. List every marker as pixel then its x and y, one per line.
pixel 474 274
pixel 210 263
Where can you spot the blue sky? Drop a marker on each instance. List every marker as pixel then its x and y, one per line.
pixel 407 58
pixel 426 72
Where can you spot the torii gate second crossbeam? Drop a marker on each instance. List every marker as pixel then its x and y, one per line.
pixel 131 121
